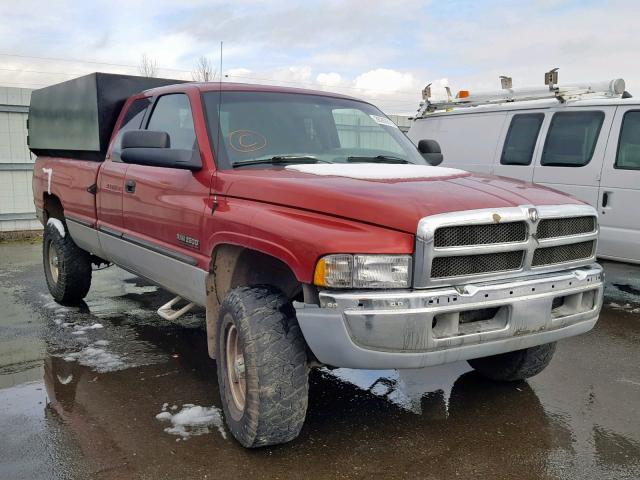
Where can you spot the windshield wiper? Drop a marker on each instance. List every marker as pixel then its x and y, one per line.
pixel 377 159
pixel 280 160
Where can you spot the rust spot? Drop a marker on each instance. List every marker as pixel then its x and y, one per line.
pixel 496 218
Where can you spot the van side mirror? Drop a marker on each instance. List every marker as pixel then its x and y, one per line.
pixel 430 150
pixel 146 147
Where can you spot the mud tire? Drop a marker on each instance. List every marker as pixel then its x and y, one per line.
pixel 276 371
pixel 74 267
pixel 515 366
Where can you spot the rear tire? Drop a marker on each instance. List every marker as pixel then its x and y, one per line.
pixel 262 367
pixel 517 365
pixel 67 267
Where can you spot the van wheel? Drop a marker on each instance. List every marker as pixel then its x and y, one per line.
pixel 67 267
pixel 517 365
pixel 262 367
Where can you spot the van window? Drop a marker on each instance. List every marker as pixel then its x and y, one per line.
pixel 131 121
pixel 572 138
pixel 628 157
pixel 356 129
pixel 521 139
pixel 172 114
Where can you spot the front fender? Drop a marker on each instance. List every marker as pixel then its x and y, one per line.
pixel 297 237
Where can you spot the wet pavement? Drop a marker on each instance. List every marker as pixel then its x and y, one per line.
pixel 80 389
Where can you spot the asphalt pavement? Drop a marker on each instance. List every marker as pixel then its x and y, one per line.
pixel 109 390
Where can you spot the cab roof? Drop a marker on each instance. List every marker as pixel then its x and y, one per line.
pixel 244 87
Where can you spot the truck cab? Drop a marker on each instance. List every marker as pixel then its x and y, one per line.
pixel 312 232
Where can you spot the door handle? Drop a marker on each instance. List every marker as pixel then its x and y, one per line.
pixel 605 199
pixel 130 186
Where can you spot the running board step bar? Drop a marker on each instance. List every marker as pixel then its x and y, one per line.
pixel 168 313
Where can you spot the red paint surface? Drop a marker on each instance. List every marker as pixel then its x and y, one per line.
pixel 296 217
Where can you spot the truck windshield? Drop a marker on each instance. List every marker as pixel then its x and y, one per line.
pixel 258 127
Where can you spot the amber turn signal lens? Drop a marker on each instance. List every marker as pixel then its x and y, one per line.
pixel 320 274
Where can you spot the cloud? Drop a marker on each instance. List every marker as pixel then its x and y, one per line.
pixel 384 81
pixel 588 41
pixel 384 53
pixel 331 79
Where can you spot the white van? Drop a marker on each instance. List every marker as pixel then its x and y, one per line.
pixel 587 147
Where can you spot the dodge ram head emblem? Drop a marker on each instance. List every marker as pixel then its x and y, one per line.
pixel 533 215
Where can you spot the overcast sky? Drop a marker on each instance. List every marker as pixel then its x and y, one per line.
pixel 382 51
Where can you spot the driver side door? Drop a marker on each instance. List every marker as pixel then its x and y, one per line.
pixel 163 208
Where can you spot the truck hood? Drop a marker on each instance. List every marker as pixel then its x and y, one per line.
pixel 387 195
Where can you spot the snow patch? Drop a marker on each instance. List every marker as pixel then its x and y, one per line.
pixel 82 329
pixel 192 420
pixel 96 358
pixel 377 171
pixel 628 307
pixel 58 224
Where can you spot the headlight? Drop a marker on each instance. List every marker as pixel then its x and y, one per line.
pixel 363 271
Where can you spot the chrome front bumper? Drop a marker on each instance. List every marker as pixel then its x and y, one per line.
pixel 418 328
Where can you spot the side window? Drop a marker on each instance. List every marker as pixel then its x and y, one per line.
pixel 521 139
pixel 172 114
pixel 572 138
pixel 628 157
pixel 131 121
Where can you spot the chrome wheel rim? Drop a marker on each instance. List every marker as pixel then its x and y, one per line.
pixel 54 262
pixel 235 368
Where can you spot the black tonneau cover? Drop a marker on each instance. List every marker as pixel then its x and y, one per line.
pixel 74 119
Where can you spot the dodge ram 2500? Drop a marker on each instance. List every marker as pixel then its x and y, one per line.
pixel 311 230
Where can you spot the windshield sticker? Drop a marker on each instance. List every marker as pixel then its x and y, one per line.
pixel 383 121
pixel 245 141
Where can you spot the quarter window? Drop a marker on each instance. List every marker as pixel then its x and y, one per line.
pixel 572 138
pixel 521 139
pixel 172 114
pixel 628 157
pixel 131 121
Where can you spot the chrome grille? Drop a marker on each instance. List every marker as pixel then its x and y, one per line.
pixel 492 244
pixel 463 235
pixel 562 253
pixel 445 267
pixel 563 227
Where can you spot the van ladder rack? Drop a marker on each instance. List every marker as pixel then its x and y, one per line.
pixel 602 89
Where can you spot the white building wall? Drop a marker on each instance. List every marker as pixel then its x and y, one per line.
pixel 16 163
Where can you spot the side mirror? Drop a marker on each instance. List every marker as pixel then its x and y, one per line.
pixel 145 139
pixel 430 150
pixel 145 147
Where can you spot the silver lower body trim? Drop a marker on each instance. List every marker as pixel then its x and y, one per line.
pixel 413 329
pixel 178 277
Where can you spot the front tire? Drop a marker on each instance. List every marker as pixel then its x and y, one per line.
pixel 262 367
pixel 67 267
pixel 517 365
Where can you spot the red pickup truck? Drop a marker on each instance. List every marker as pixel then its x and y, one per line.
pixel 312 231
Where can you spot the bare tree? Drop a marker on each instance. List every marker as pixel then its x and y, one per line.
pixel 148 67
pixel 203 70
